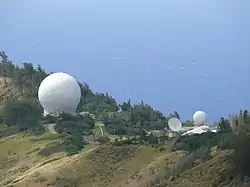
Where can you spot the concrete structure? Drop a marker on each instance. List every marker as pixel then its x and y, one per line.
pixel 192 130
pixel 201 129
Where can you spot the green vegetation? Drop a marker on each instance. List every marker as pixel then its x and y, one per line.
pixel 72 129
pixel 134 151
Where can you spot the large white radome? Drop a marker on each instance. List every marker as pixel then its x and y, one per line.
pixel 59 92
pixel 199 118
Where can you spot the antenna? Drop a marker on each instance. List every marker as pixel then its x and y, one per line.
pixel 174 124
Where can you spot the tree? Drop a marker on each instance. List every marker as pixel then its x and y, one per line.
pixel 224 125
pixel 245 115
pixel 241 154
pixel 23 113
pixel 188 123
pixel 176 114
pixel 103 139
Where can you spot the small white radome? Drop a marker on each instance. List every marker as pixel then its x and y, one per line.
pixel 199 118
pixel 59 92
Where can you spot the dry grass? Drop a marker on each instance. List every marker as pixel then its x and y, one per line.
pixel 102 166
pixel 20 153
pixel 217 172
pixel 105 166
pixel 152 169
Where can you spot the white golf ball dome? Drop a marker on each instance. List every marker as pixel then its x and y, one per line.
pixel 199 117
pixel 59 92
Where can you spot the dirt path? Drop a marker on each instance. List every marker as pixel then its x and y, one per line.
pixel 51 128
pixel 8 137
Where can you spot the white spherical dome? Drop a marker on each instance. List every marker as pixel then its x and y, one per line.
pixel 199 117
pixel 59 92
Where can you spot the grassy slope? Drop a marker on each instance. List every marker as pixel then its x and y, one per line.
pixel 217 172
pixel 21 165
pixel 127 166
pixel 20 153
pixel 105 165
pixel 100 166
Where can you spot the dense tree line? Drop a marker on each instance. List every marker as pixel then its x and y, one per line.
pixel 131 119
pixel 121 119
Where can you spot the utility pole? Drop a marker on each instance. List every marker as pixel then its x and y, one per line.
pixel 102 128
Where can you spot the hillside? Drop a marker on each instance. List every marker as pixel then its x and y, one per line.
pixel 128 155
pixel 103 165
pixel 218 171
pixel 106 165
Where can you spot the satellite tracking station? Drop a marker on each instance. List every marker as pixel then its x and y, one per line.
pixel 199 127
pixel 59 93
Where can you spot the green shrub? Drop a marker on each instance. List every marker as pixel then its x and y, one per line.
pixel 50 149
pixel 48 119
pixel 103 139
pixel 226 141
pixel 241 153
pixel 127 141
pixel 23 113
pixel 117 143
pixel 197 141
pixel 73 144
pixel 184 163
pixel 8 131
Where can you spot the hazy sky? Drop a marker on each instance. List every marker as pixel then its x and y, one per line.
pixel 181 55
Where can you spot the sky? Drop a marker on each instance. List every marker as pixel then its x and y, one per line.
pixel 176 55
